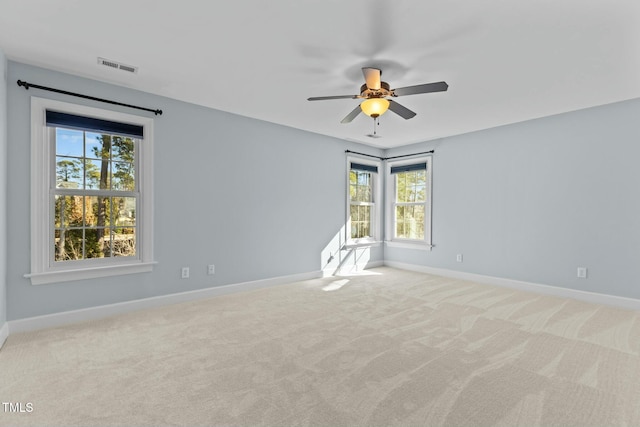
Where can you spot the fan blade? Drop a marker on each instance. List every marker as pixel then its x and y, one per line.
pixel 352 115
pixel 372 77
pixel 400 110
pixel 322 98
pixel 425 88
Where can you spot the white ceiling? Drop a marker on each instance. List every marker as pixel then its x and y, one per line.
pixel 505 60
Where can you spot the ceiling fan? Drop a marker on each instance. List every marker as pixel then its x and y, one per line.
pixel 375 93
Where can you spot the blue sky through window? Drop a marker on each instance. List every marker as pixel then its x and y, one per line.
pixel 69 142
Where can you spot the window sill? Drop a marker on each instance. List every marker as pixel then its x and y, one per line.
pixel 56 276
pixel 362 244
pixel 420 246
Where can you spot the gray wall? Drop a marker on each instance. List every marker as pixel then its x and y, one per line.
pixel 3 189
pixel 530 201
pixel 256 199
pixel 535 200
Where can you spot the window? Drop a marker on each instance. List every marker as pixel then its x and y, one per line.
pixel 409 193
pixel 363 195
pixel 91 192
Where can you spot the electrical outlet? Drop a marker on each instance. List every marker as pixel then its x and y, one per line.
pixel 582 272
pixel 211 269
pixel 185 272
pixel 459 258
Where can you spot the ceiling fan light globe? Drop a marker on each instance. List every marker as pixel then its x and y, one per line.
pixel 374 107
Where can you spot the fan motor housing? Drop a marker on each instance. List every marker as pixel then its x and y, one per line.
pixel 385 90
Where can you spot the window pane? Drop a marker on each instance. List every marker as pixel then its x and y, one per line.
pixel 69 172
pixel 63 206
pixel 122 149
pixel 418 214
pixel 353 188
pixel 419 230
pixel 362 193
pixel 92 174
pixel 400 221
pixel 68 211
pixel 69 142
pixel 363 178
pixel 421 194
pixel 98 174
pixel 69 245
pixel 411 194
pixel 360 221
pixel 124 211
pixel 354 213
pixel 97 243
pixel 98 211
pixel 418 186
pixel 410 222
pixel 401 187
pixel 123 176
pixel 58 212
pixel 365 230
pixel 365 213
pixel 353 177
pixel 124 241
pixel 98 146
pixel 354 229
pixel 360 188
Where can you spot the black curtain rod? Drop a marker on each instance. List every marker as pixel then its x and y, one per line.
pixel 409 155
pixel 364 154
pixel 27 85
pixel 389 158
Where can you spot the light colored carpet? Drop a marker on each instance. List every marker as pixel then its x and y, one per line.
pixel 390 348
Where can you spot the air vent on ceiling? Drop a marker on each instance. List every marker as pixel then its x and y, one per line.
pixel 117 65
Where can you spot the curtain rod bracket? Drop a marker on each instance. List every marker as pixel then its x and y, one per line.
pixel 27 85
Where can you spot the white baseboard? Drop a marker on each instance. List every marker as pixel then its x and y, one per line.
pixel 4 334
pixel 92 313
pixel 592 297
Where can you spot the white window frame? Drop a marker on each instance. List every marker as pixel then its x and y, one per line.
pixel 376 211
pixel 43 269
pixel 390 211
